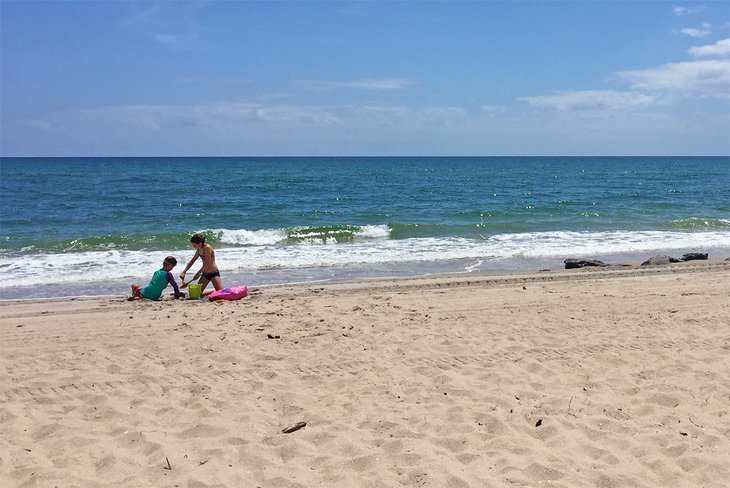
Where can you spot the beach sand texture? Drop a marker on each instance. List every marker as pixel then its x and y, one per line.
pixel 615 377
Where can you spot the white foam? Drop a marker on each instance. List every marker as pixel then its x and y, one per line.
pixel 138 266
pixel 374 231
pixel 552 244
pixel 39 269
pixel 242 237
pixel 267 237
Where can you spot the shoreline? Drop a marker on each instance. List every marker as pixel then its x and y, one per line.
pixel 586 377
pixel 304 276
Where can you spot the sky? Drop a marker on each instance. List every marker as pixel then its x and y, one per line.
pixel 338 78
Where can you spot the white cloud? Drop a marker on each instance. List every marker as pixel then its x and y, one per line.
pixel 689 31
pixel 682 11
pixel 367 84
pixel 720 48
pixel 593 100
pixel 710 78
pixel 168 24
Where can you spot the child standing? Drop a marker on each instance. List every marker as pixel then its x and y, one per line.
pixel 209 271
pixel 159 282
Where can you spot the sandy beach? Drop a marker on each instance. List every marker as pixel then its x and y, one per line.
pixel 611 377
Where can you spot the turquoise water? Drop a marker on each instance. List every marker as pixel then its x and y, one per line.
pixel 92 225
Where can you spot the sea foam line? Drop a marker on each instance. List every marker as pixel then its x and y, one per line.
pixel 35 269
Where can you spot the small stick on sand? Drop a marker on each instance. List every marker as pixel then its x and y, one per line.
pixel 294 427
pixel 168 467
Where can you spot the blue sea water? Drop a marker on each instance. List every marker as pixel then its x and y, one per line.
pixel 92 226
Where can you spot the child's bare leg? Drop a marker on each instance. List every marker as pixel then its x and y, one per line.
pixel 135 292
pixel 217 283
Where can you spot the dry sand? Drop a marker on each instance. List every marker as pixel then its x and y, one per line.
pixel 613 377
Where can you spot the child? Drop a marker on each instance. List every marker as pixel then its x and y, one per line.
pixel 159 282
pixel 209 271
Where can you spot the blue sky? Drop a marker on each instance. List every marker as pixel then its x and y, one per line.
pixel 364 78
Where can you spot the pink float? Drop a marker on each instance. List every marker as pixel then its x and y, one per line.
pixel 230 293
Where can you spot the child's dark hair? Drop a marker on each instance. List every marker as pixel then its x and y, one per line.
pixel 198 239
pixel 170 260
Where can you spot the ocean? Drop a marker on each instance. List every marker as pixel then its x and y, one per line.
pixel 93 226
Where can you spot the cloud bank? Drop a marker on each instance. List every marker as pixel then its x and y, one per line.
pixel 593 100
pixel 720 48
pixel 709 79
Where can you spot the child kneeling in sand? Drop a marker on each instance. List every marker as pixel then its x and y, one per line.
pixel 159 282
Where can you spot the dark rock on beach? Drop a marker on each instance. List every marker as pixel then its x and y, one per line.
pixel 691 256
pixel 659 260
pixel 572 263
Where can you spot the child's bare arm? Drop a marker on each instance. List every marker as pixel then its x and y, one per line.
pixel 190 263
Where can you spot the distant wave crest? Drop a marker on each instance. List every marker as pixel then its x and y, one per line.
pixel 333 234
pixel 700 222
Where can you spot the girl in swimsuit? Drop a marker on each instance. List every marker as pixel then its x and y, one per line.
pixel 209 271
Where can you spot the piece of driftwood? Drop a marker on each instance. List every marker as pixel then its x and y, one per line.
pixel 294 427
